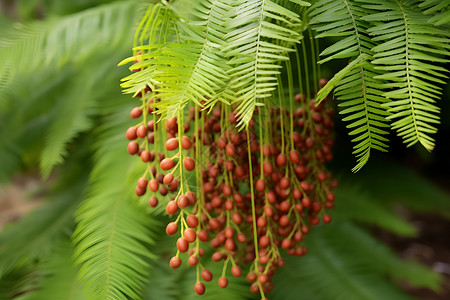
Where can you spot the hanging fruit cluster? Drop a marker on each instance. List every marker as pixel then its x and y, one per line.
pixel 248 194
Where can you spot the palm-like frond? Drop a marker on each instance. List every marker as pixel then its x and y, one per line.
pixel 332 251
pixel 260 35
pixel 59 279
pixel 410 54
pixel 113 232
pixel 29 47
pixel 18 281
pixel 165 278
pixel 439 11
pixel 410 189
pixel 195 68
pixel 357 88
pixel 364 207
pixel 34 236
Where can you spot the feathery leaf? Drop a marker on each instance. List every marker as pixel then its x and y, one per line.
pixel 357 88
pixel 53 42
pixel 113 232
pixel 419 50
pixel 34 236
pixel 260 35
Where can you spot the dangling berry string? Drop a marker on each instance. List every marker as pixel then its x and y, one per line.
pixel 250 195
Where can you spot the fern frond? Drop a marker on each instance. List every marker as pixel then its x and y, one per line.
pixel 333 250
pixel 71 115
pixel 18 281
pixel 113 232
pixel 358 88
pixel 361 206
pixel 260 35
pixel 439 11
pixel 59 280
pixel 196 68
pixel 53 42
pixel 410 53
pixel 33 237
pixel 164 279
pixel 410 188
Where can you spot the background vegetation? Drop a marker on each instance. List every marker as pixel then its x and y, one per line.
pixel 62 114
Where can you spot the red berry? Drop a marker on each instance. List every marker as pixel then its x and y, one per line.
pixel 136 112
pixel 207 275
pixel 264 241
pixel 268 210
pixel 326 218
pixel 153 201
pixel 182 201
pixel 267 167
pixel 203 235
pixel 192 221
pixel 182 244
pixel 263 278
pixel 314 220
pixel 131 134
pixel 286 243
pixel 294 156
pixel 175 262
pixel 193 260
pixel 171 207
pixel 171 144
pixel 145 156
pixel 241 238
pixel 281 160
pixel 330 196
pixel 284 183
pixel 171 228
pixel 133 148
pixel 141 131
pixel 306 202
pixel 190 235
pixel 199 288
pixel 251 276
pixel 153 184
pixel 260 185
pixel 261 222
pixel 167 164
pixel 223 282
pixel 168 179
pixel 230 150
pixel 229 232
pixel 189 163
pixel 171 124
pixel 230 245
pixel 236 271
pixel 186 143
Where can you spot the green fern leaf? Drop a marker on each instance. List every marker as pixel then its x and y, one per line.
pixel 439 11
pixel 334 250
pixel 59 280
pixel 34 236
pixel 357 88
pixel 197 67
pixel 18 281
pixel 165 278
pixel 419 50
pixel 364 207
pixel 53 42
pixel 260 35
pixel 71 115
pixel 410 188
pixel 113 232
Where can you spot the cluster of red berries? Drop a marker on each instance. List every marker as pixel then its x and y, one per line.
pixel 247 193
